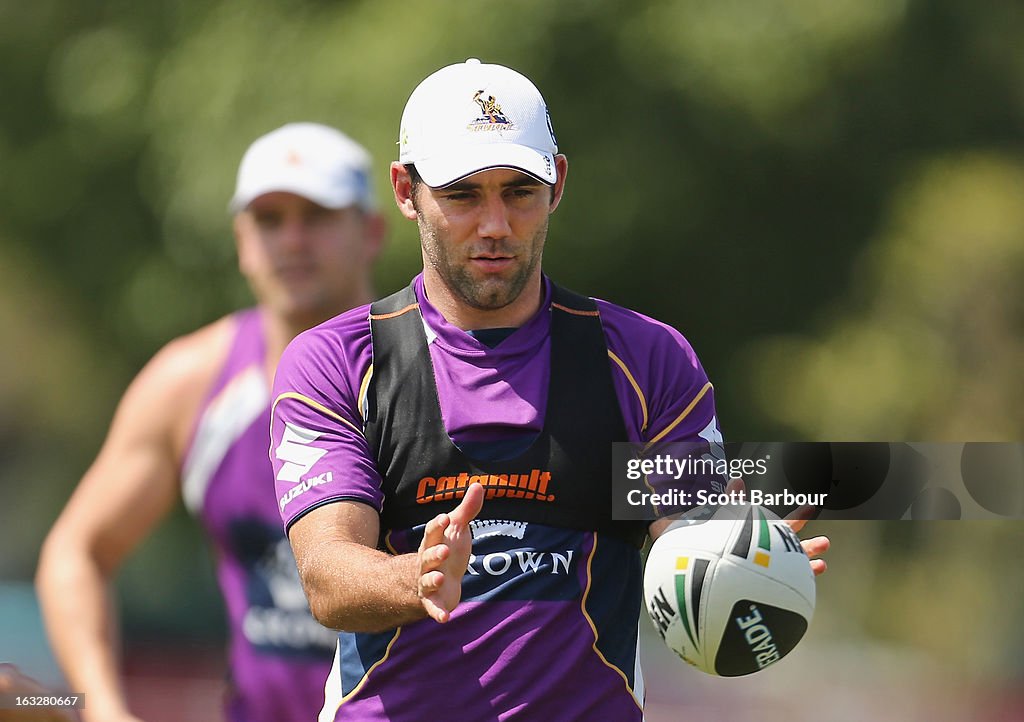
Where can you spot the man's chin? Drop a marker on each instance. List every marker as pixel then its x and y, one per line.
pixel 306 311
pixel 491 296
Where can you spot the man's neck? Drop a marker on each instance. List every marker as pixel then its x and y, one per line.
pixel 279 330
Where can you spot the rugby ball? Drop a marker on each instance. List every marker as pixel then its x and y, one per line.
pixel 730 592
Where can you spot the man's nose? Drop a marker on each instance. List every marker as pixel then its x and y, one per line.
pixel 293 233
pixel 494 219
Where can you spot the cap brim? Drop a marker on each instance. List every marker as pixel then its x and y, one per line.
pixel 447 168
pixel 328 198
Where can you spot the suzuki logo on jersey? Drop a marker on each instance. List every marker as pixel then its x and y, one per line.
pixel 529 485
pixel 305 485
pixel 713 436
pixel 296 452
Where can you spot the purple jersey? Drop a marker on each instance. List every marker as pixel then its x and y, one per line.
pixel 279 655
pixel 537 632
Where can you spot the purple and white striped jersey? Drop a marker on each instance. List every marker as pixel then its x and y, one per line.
pixel 278 656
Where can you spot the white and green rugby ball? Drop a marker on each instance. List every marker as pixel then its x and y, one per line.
pixel 731 594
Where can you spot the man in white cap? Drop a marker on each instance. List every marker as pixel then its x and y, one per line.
pixel 487 386
pixel 194 422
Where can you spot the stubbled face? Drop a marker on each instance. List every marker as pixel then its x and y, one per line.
pixel 484 236
pixel 303 261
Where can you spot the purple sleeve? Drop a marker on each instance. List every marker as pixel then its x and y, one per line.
pixel 663 390
pixel 317 447
pixel 666 398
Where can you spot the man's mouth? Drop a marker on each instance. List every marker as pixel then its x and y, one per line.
pixel 295 271
pixel 492 261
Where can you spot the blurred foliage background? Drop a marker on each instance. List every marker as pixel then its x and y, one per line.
pixel 827 198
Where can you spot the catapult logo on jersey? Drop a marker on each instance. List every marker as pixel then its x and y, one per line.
pixel 528 485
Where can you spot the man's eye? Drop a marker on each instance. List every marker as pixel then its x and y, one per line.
pixel 317 214
pixel 459 196
pixel 267 220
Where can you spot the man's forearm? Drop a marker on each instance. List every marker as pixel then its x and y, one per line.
pixel 354 588
pixel 77 606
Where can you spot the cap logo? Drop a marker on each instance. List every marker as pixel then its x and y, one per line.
pixel 293 158
pixel 492 118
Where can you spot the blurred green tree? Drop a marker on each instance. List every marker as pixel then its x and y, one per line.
pixel 824 196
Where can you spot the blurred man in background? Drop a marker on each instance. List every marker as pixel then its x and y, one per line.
pixel 195 422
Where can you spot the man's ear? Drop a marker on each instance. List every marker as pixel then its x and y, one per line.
pixel 401 183
pixel 561 167
pixel 238 225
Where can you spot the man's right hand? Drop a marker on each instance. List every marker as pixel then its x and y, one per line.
pixel 444 555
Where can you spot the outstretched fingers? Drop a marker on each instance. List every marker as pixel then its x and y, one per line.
pixel 815 547
pixel 736 485
pixel 430 586
pixel 799 517
pixel 444 555
pixel 432 553
pixel 434 610
pixel 468 508
pixel 433 534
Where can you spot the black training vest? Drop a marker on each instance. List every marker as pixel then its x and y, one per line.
pixel 563 479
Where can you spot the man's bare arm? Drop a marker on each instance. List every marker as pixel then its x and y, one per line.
pixel 129 488
pixel 353 586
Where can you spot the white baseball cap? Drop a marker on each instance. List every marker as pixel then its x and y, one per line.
pixel 473 116
pixel 310 160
